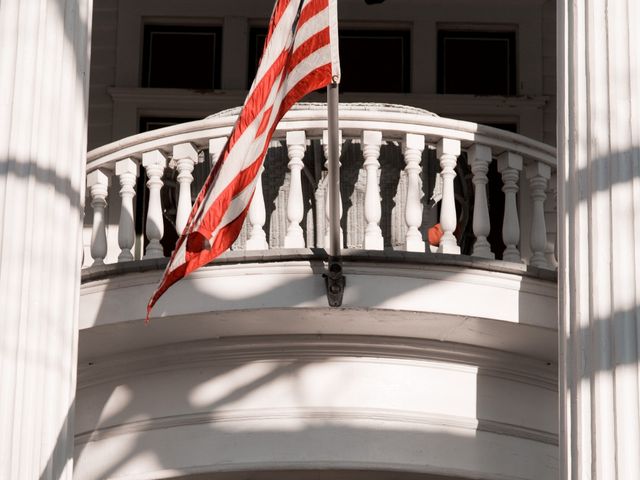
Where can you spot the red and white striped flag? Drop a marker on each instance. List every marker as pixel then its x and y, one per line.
pixel 300 56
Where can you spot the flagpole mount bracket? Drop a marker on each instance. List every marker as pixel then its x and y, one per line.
pixel 334 282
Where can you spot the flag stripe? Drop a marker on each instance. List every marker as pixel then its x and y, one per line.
pixel 301 60
pixel 311 25
pixel 299 57
pixel 311 9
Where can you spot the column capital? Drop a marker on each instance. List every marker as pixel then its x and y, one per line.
pixel 127 165
pixel 154 158
pixel 448 146
pixel 509 160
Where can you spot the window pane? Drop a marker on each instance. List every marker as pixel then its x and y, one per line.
pixel 374 61
pixel 181 57
pixel 478 63
pixel 360 51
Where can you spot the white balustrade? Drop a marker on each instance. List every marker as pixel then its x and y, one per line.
pixel 538 175
pixel 257 217
pixel 127 171
pixel 327 192
pixel 413 148
pixel 479 157
pixel 215 149
pixel 392 128
pixel 185 157
pixel 510 165
pixel 371 143
pixel 296 146
pixel 551 216
pixel 154 163
pixel 448 151
pixel 98 183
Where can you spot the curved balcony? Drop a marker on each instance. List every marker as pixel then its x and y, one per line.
pixel 393 159
pixel 440 363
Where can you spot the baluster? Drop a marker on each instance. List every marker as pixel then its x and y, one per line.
pixel 185 156
pixel 327 194
pixel 154 163
pixel 371 142
pixel 479 157
pixel 98 183
pixel 538 174
pixel 296 146
pixel 448 151
pixel 127 170
pixel 215 149
pixel 551 218
pixel 257 217
pixel 510 165
pixel 413 148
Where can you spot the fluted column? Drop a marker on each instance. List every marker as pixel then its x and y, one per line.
pixel 327 194
pixel 185 157
pixel 448 151
pixel 371 142
pixel 154 163
pixel 599 238
pixel 538 174
pixel 296 146
pixel 510 165
pixel 413 147
pixel 127 171
pixel 479 157
pixel 44 71
pixel 98 183
pixel 257 217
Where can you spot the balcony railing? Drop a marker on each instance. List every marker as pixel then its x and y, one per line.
pixel 404 170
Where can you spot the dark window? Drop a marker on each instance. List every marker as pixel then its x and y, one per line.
pixel 478 63
pixel 257 37
pixel 181 57
pixel 153 123
pixel 371 60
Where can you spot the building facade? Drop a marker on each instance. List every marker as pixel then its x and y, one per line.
pixel 507 349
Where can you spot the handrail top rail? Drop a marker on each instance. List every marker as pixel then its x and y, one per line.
pixel 393 120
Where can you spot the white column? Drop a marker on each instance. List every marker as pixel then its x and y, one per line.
pixel 44 71
pixel 327 193
pixel 98 183
pixel 538 174
pixel 510 165
pixel 413 147
pixel 479 157
pixel 215 149
pixel 154 163
pixel 185 157
pixel 296 146
pixel 257 217
pixel 448 151
pixel 371 143
pixel 599 238
pixel 127 170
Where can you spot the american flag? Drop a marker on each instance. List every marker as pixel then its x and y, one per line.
pixel 300 56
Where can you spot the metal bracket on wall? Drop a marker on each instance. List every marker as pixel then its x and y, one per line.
pixel 335 282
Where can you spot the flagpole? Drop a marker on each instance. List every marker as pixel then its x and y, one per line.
pixel 334 171
pixel 335 281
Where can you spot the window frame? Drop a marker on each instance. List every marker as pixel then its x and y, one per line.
pixel 180 28
pixel 510 35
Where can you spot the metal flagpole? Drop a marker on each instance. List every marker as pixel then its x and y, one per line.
pixel 334 279
pixel 334 171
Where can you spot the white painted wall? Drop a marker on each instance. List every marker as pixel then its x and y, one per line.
pixel 245 368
